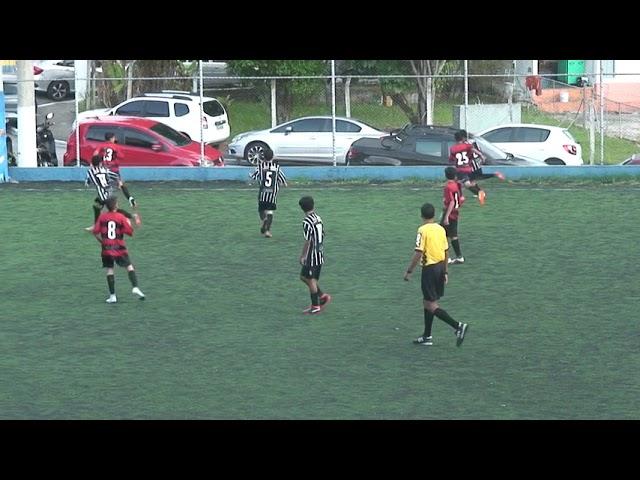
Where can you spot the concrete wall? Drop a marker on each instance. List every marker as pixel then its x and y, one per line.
pixel 480 117
pixel 241 174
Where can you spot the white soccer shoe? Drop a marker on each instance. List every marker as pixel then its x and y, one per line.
pixel 138 292
pixel 112 299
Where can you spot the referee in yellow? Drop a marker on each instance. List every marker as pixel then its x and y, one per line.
pixel 431 251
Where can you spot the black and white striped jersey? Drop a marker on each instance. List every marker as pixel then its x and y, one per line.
pixel 105 181
pixel 313 231
pixel 271 177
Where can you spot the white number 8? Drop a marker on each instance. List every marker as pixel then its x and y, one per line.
pixel 111 230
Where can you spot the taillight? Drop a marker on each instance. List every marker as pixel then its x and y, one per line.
pixel 37 70
pixel 572 149
pixel 205 123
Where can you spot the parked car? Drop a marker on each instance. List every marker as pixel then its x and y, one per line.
pixel 304 140
pixel 424 145
pixel 55 77
pixel 180 110
pixel 142 142
pixel 632 160
pixel 552 145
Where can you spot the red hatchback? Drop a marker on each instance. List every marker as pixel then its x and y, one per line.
pixel 142 142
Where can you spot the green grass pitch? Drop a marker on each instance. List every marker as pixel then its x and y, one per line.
pixel 550 289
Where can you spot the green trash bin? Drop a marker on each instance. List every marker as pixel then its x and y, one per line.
pixel 570 71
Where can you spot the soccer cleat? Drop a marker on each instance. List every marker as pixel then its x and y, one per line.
pixel 481 197
pixel 112 299
pixel 138 292
pixel 451 260
pixel 325 299
pixel 458 260
pixel 88 229
pixel 426 341
pixel 460 333
pixel 312 309
pixel 500 175
pixel 137 218
pixel 132 202
pixel 267 234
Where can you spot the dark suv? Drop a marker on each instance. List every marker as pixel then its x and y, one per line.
pixel 424 145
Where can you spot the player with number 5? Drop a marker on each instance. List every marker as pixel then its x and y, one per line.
pixel 270 176
pixel 109 230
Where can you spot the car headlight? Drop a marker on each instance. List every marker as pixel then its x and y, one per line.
pixel 237 138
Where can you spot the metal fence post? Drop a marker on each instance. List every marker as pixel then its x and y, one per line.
pixel 333 110
pixel 466 91
pixel 202 118
pixel 274 117
pixel 347 97
pixel 601 116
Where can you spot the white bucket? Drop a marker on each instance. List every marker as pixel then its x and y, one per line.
pixel 564 96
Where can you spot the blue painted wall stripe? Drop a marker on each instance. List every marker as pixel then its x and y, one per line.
pixel 235 173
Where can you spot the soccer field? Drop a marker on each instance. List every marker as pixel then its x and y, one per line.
pixel 549 287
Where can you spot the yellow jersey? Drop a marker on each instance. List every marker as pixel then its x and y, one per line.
pixel 432 242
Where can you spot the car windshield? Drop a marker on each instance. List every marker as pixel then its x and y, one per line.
pixel 489 149
pixel 170 134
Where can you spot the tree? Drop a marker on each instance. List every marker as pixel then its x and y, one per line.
pixel 288 91
pixel 123 74
pixel 399 89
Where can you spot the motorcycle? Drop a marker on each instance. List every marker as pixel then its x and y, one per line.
pixel 46 144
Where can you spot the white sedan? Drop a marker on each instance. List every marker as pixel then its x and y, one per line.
pixel 304 140
pixel 551 145
pixel 55 77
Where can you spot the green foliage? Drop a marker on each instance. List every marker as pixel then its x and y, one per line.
pixel 289 92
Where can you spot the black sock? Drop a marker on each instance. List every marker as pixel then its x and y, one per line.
pixel 96 213
pixel 456 247
pixel 262 214
pixel 428 322
pixel 314 299
pixel 125 213
pixel 445 317
pixel 111 281
pixel 125 190
pixel 475 189
pixel 133 278
pixel 268 222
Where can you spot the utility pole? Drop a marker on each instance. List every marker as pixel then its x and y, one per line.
pixel 27 153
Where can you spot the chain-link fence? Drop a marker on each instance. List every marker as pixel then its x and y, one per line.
pixel 460 95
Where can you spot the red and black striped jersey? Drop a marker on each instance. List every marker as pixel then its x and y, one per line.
pixel 110 157
pixel 453 193
pixel 461 155
pixel 113 226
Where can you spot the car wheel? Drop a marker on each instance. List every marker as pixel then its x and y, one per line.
pixel 58 90
pixel 254 152
pixel 554 161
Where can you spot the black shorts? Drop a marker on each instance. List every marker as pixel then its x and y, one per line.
pixel 475 175
pixel 433 281
pixel 266 206
pixel 451 229
pixel 108 261
pixel 311 272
